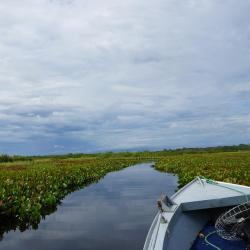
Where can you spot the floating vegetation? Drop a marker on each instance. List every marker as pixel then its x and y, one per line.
pixel 31 187
pixel 30 190
pixel 231 167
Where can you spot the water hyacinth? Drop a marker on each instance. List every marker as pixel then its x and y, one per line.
pixel 228 166
pixel 30 189
pixel 33 189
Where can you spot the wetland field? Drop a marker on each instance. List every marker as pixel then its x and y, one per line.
pixel 33 187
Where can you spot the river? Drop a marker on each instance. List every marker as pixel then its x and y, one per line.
pixel 114 213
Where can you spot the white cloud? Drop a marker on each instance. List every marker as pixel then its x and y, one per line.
pixel 95 75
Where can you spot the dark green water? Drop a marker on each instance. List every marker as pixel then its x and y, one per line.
pixel 113 214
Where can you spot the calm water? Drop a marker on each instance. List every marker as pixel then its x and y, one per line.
pixel 114 213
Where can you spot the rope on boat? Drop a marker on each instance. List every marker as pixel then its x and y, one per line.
pixel 209 243
pixel 212 182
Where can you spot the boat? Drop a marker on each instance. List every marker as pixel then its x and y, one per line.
pixel 187 219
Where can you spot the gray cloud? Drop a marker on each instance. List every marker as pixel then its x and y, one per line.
pixel 94 75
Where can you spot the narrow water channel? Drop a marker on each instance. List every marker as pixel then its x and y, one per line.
pixel 114 213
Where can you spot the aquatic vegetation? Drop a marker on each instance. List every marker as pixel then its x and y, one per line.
pixel 32 189
pixel 231 167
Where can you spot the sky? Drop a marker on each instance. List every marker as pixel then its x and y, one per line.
pixel 101 75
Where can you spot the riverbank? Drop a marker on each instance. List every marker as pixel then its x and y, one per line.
pixel 32 189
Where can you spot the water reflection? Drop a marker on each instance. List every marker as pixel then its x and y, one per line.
pixel 114 213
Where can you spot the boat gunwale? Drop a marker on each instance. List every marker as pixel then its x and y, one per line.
pixel 151 231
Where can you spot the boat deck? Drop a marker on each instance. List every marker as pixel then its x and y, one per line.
pixel 216 240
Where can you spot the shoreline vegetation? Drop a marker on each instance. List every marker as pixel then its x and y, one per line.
pixel 32 187
pixel 31 190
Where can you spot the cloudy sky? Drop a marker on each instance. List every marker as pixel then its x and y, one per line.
pixel 98 75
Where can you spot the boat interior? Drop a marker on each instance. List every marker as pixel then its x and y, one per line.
pixel 187 220
pixel 196 229
pixel 215 241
